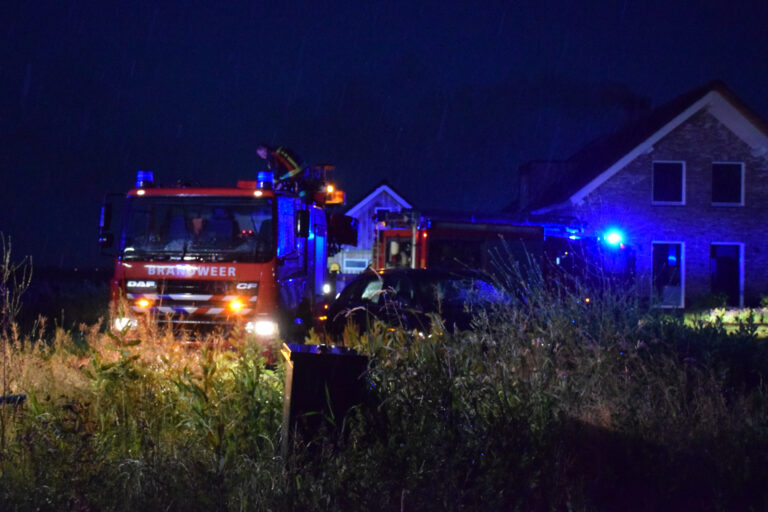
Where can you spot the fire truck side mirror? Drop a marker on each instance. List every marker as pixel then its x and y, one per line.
pixel 106 239
pixel 106 216
pixel 302 223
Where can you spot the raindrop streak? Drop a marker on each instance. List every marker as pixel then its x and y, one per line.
pixel 299 70
pixel 501 22
pixel 343 95
pixel 85 121
pixel 151 28
pixel 624 9
pixel 441 128
pixel 25 85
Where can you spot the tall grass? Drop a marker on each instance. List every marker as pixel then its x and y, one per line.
pixel 130 425
pixel 548 403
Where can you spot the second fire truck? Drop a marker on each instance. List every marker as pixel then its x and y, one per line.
pixel 413 239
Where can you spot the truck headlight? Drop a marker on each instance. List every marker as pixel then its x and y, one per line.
pixel 261 327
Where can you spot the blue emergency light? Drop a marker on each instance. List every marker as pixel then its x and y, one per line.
pixel 614 237
pixel 264 179
pixel 144 179
pixel 672 256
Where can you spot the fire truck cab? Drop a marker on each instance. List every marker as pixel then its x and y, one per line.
pixel 249 260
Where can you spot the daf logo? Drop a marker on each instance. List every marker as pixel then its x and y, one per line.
pixel 247 286
pixel 140 284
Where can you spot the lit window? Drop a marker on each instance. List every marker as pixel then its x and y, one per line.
pixel 354 265
pixel 727 183
pixel 669 182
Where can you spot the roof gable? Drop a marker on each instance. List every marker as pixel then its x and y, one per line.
pixel 600 160
pixel 383 189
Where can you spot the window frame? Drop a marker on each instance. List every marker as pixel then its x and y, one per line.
pixel 682 188
pixel 742 184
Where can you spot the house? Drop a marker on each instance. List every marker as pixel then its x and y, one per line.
pixel 688 188
pixel 353 260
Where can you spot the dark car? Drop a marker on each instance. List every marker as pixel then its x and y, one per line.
pixel 406 298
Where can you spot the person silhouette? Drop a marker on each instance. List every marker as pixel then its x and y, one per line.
pixel 283 160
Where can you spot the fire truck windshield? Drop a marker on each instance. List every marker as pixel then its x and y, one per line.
pixel 198 229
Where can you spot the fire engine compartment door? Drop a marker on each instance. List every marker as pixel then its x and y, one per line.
pixel 291 252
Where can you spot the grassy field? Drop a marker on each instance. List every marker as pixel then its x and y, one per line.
pixel 548 403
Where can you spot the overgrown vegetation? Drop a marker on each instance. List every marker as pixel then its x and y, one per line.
pixel 549 403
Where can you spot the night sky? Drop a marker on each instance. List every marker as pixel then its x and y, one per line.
pixel 444 100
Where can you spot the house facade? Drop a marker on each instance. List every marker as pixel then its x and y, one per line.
pixel 353 260
pixel 687 187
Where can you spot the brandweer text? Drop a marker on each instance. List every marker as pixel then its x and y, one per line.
pixel 189 271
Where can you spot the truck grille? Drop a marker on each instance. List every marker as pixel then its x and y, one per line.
pixel 193 287
pixel 186 301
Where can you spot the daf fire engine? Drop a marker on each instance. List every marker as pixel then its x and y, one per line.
pixel 246 260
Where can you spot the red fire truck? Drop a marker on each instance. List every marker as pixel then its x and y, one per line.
pixel 412 239
pixel 249 260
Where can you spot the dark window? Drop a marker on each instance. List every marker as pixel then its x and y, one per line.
pixel 727 183
pixel 725 272
pixel 668 182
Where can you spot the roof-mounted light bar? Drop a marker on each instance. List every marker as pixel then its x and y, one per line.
pixel 145 179
pixel 265 179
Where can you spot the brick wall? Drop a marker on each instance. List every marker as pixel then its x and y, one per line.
pixel 625 200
